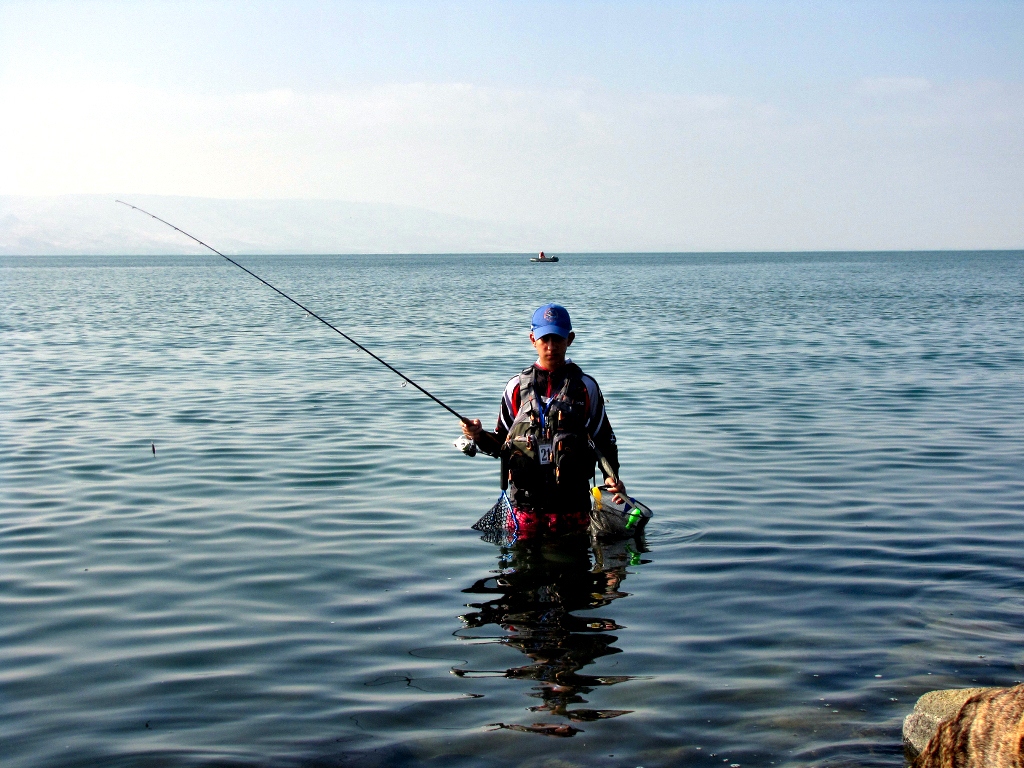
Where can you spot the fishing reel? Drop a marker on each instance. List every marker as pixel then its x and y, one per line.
pixel 466 445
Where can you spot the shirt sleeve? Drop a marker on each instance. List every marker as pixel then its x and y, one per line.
pixel 509 408
pixel 491 442
pixel 598 426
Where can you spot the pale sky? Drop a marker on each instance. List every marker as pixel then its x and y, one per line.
pixel 665 125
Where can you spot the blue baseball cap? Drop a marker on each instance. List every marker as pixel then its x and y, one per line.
pixel 551 318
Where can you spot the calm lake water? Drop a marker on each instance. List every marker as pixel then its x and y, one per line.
pixel 833 445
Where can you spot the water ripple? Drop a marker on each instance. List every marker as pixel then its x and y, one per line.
pixel 832 444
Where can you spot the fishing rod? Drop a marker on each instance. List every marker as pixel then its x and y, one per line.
pixel 311 312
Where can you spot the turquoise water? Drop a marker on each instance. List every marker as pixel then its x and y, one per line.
pixel 833 445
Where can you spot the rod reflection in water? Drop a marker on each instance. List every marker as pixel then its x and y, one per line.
pixel 533 597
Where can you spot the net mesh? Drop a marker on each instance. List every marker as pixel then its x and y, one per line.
pixel 494 523
pixel 608 521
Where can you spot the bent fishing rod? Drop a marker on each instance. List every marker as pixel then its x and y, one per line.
pixel 306 309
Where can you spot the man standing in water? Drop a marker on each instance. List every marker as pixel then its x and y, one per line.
pixel 551 429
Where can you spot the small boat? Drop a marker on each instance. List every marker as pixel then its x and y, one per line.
pixel 542 259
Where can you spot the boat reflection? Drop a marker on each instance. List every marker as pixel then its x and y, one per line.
pixel 534 596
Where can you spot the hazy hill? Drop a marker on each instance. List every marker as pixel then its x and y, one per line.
pixel 95 225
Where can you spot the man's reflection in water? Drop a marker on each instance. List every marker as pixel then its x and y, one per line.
pixel 533 596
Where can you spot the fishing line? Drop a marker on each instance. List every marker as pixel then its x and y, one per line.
pixel 300 306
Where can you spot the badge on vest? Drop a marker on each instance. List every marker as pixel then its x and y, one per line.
pixel 544 453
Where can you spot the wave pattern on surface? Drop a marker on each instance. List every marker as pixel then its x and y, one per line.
pixel 832 444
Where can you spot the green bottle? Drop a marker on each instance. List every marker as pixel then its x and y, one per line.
pixel 633 517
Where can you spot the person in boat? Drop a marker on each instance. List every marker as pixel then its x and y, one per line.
pixel 552 427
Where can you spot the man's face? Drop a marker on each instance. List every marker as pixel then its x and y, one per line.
pixel 551 350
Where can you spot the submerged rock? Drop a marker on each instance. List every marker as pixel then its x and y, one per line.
pixel 932 709
pixel 975 728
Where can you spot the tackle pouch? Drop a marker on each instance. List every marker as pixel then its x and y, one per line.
pixel 573 457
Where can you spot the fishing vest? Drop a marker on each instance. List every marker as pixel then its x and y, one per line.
pixel 548 448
